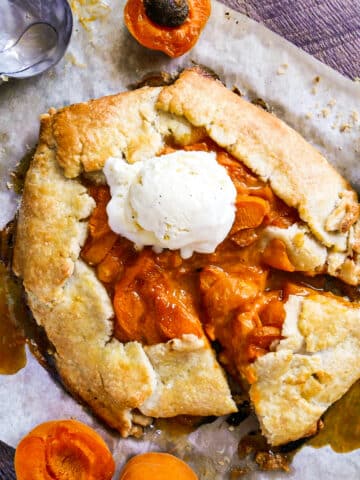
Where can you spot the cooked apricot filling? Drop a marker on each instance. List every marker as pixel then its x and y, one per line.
pixel 225 294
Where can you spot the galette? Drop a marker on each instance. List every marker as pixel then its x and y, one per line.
pixel 172 237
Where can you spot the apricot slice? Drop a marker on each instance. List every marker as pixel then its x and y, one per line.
pixel 98 223
pixel 275 255
pixel 250 212
pixel 63 450
pixel 149 307
pixel 273 314
pixel 223 291
pixel 110 268
pixel 244 238
pixel 96 250
pixel 291 288
pixel 159 466
pixel 264 336
pixel 244 324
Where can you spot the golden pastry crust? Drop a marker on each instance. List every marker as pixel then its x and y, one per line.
pixel 51 226
pixel 271 149
pixel 279 155
pixel 313 366
pixel 174 393
pixel 85 135
pixel 111 377
pixel 136 124
pixel 66 298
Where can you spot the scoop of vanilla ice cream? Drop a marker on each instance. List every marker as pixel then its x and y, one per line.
pixel 183 200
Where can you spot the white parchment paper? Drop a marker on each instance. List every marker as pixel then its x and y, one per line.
pixel 103 59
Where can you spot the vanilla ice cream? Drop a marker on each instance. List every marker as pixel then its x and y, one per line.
pixel 183 200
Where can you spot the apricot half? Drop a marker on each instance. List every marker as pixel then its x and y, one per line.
pixel 170 39
pixel 63 450
pixel 159 466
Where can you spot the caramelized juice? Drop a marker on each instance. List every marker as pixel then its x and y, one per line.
pixel 12 340
pixel 341 424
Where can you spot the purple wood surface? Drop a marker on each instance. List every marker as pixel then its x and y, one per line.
pixel 6 462
pixel 327 29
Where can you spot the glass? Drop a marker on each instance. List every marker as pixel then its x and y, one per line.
pixel 34 35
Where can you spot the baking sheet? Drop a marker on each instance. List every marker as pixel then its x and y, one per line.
pixel 103 59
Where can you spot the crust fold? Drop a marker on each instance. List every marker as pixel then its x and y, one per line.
pixel 313 366
pixel 126 125
pixel 76 312
pixel 188 378
pixel 297 173
pixel 64 294
pixel 51 226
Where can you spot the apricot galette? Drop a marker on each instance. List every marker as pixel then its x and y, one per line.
pixel 158 223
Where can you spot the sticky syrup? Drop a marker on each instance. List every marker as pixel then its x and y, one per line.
pixel 12 337
pixel 341 424
pixel 13 312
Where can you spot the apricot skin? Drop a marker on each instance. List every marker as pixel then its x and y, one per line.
pixel 159 466
pixel 63 450
pixel 172 41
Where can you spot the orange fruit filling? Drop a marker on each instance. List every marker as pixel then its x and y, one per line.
pixel 225 294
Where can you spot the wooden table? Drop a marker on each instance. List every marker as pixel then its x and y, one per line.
pixel 327 29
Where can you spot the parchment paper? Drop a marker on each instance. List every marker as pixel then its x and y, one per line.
pixel 102 59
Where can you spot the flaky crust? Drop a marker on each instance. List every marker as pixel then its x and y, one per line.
pixel 85 135
pixel 111 377
pixel 135 125
pixel 313 366
pixel 297 173
pixel 51 225
pixel 64 294
pixel 271 149
pixel 182 376
pixel 175 391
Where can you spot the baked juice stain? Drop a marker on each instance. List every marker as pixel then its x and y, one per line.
pixel 13 312
pixel 12 341
pixel 341 429
pixel 179 426
pixel 18 175
pixel 17 325
pixel 12 336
